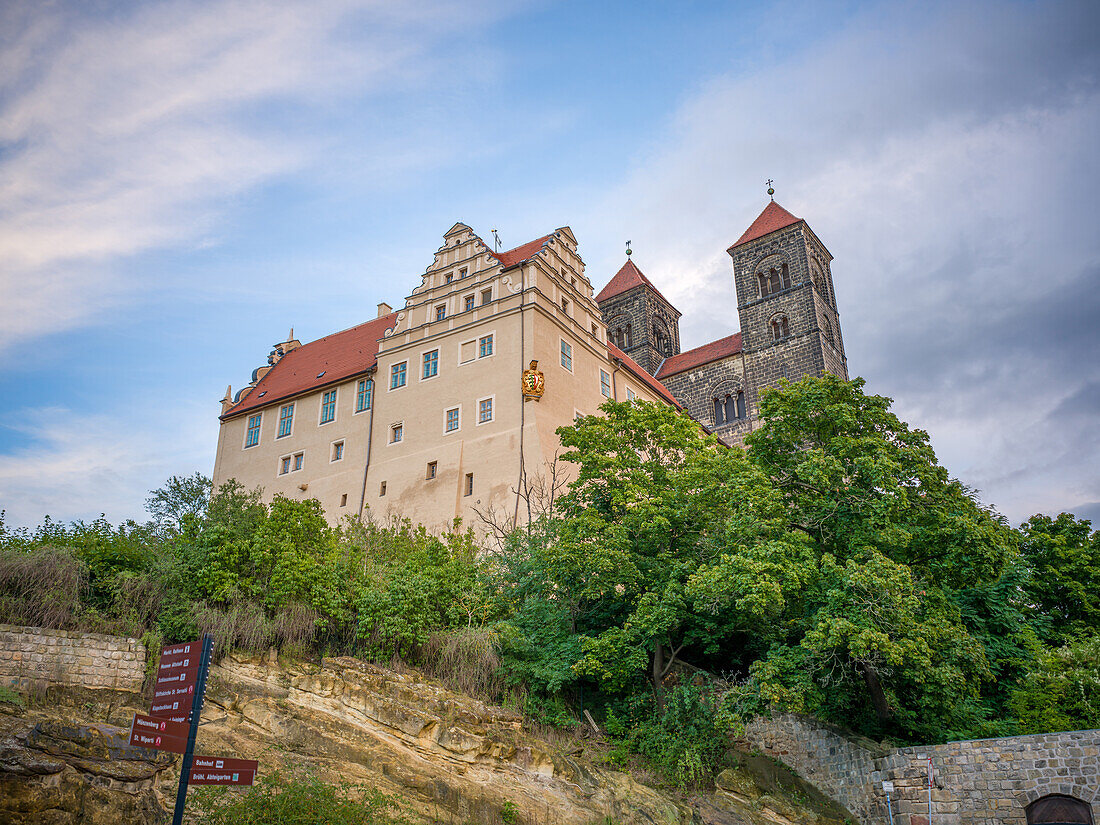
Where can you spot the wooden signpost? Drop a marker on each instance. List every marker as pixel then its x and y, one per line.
pixel 173 721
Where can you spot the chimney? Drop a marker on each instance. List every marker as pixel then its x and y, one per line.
pixel 384 309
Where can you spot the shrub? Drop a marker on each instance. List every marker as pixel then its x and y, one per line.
pixel 466 660
pixel 281 799
pixel 42 588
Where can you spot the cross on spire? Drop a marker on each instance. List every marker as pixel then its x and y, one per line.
pixel 771 191
pixel 628 249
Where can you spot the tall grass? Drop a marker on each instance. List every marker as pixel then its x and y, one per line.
pixel 42 588
pixel 466 660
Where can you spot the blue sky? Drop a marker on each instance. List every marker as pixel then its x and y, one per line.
pixel 182 182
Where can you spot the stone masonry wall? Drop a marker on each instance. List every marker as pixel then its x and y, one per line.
pixel 30 655
pixel 979 782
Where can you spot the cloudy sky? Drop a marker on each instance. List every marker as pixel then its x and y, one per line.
pixel 182 182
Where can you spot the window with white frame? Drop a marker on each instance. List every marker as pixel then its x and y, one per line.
pixel 441 312
pixel 630 394
pixel 431 364
pixel 284 465
pixel 566 355
pixel 486 296
pixel 286 421
pixel 485 410
pixel 252 435
pixel 337 451
pixel 485 346
pixel 453 420
pixel 433 470
pixel 328 407
pixel 397 433
pixel 363 395
pixel 299 461
pixel 605 383
pixel 468 303
pixel 398 374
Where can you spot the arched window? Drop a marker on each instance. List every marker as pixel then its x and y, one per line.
pixel 818 277
pixel 729 407
pixel 1059 809
pixel 785 277
pixel 780 328
pixel 626 337
pixel 827 328
pixel 719 412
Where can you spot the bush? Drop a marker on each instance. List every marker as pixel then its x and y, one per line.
pixel 42 588
pixel 466 660
pixel 281 799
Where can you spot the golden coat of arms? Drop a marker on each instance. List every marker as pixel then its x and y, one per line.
pixel 533 382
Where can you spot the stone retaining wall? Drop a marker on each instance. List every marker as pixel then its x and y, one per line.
pixel 35 655
pixel 979 782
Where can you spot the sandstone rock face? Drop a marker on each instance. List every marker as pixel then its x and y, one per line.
pixel 56 773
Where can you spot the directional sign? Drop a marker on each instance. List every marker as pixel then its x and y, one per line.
pixel 182 649
pixel 166 727
pixel 202 776
pixel 225 763
pixel 171 708
pixel 162 693
pixel 162 742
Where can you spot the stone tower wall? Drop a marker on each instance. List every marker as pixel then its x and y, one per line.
pixel 639 307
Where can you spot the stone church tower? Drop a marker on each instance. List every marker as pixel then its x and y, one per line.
pixel 639 320
pixel 786 306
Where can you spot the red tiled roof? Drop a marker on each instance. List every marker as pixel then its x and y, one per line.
pixel 520 253
pixel 625 279
pixel 339 356
pixel 774 217
pixel 715 350
pixel 642 375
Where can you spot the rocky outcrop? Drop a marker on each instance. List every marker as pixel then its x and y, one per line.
pixel 443 756
pixel 55 773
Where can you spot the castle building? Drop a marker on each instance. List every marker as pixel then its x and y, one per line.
pixel 447 409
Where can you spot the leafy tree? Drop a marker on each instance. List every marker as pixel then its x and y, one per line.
pixel 638 521
pixel 180 497
pixel 1061 557
pixel 893 534
pixel 1063 692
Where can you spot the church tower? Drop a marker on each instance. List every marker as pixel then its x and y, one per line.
pixel 786 306
pixel 639 320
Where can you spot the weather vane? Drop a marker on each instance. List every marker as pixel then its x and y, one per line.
pixel 628 250
pixel 496 241
pixel 771 192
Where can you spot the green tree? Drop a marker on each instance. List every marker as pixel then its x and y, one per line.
pixel 637 525
pixel 1063 691
pixel 1061 557
pixel 180 497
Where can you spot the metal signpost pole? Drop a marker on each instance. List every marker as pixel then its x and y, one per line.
pixel 196 709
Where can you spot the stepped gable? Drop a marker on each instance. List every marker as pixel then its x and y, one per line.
pixel 632 366
pixel 714 351
pixel 628 277
pixel 338 356
pixel 773 218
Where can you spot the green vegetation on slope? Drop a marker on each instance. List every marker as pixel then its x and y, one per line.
pixel 675 590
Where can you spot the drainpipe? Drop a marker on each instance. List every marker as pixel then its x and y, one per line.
pixel 370 440
pixel 522 400
pixel 615 384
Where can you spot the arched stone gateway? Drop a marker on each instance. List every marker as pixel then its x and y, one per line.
pixel 1059 809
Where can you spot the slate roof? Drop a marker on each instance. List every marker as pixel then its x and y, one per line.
pixel 773 218
pixel 319 363
pixel 628 277
pixel 647 379
pixel 714 351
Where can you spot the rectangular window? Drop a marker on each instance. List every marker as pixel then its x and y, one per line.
pixel 466 352
pixel 469 484
pixel 431 364
pixel 468 302
pixel 441 312
pixel 252 437
pixel 605 383
pixel 382 489
pixel 484 410
pixel 452 420
pixel 284 466
pixel 328 407
pixel 338 451
pixel 595 331
pixel 299 460
pixel 486 296
pixel 630 394
pixel 286 420
pixel 397 432
pixel 565 304
pixel 462 272
pixel 485 346
pixel 433 466
pixel 363 395
pixel 566 355
pixel 397 375
pixel 344 500
pixel 449 277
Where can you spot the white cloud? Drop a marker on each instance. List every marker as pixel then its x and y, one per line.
pixel 78 466
pixel 136 129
